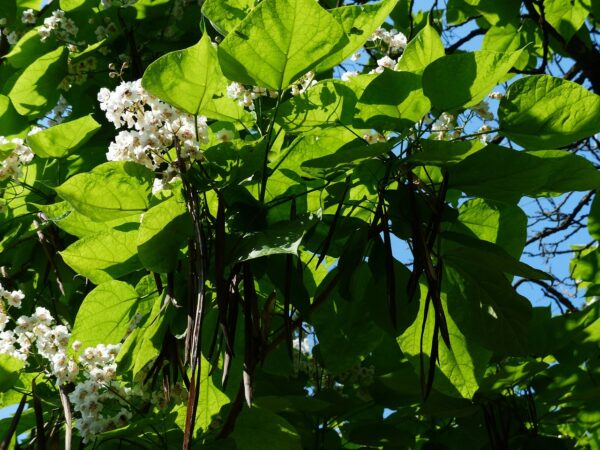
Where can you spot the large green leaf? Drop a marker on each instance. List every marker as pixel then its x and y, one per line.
pixel 392 101
pixel 421 51
pixel 28 49
pixel 109 191
pixel 11 122
pixel 502 174
pixel 541 112
pixel 210 401
pixel 461 80
pixel 10 368
pixel 259 429
pixel 462 366
pixel 315 145
pixel 66 218
pixel 445 153
pixel 486 308
pixel 358 23
pixel 594 218
pixel 144 344
pixel 35 91
pixel 63 139
pixel 566 17
pixel 188 78
pixel 280 238
pixel 465 248
pixel 500 223
pixel 104 256
pixel 328 103
pixel 279 41
pixel 225 16
pixel 337 320
pixel 163 229
pixel 105 314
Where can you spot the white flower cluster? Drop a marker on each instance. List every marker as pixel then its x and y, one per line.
pixel 445 124
pixel 12 37
pixel 482 109
pixel 346 76
pixel 28 17
pixel 384 63
pixel 306 81
pixel 58 25
pixel 374 137
pixel 485 137
pixel 78 72
pixel 20 154
pixel 245 96
pixel 393 39
pixel 152 128
pixel 99 391
pixel 104 31
pixel 40 328
pixel 12 298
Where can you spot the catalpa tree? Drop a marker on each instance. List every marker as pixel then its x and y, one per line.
pixel 297 224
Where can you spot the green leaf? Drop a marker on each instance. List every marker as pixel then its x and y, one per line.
pixel 104 256
pixel 392 101
pixel 11 122
pixel 69 5
pixel 315 145
pixel 210 400
pixel 486 308
pixel 105 314
pixel 326 104
pixel 259 429
pixel 10 369
pixel 336 322
pixel 462 367
pixel 27 50
pixel 594 218
pixel 35 90
pixel 187 79
pixel 500 223
pixel 163 229
pixel 144 344
pixel 358 22
pixel 225 16
pixel 422 50
pixel 109 191
pixel 471 250
pixel 516 173
pixel 280 238
pixel 445 153
pixel 541 112
pixel 461 80
pixel 75 223
pixel 221 107
pixel 279 41
pixel 566 17
pixel 63 139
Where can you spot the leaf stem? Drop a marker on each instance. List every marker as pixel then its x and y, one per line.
pixel 263 183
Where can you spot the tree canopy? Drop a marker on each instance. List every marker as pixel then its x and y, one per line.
pixel 299 224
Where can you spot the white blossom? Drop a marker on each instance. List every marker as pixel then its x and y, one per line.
pixel 151 127
pixel 28 16
pixel 346 76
